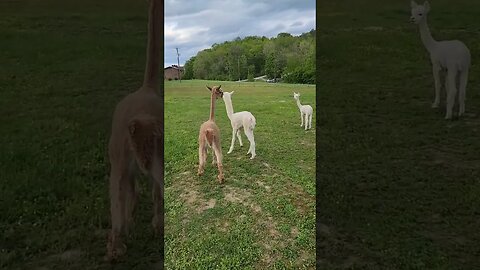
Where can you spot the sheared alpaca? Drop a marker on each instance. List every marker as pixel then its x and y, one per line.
pixel 239 120
pixel 450 55
pixel 136 141
pixel 305 111
pixel 209 136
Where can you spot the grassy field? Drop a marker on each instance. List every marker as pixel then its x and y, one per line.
pixel 399 186
pixel 64 66
pixel 263 216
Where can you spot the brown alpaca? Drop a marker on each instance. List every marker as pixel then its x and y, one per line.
pixel 136 141
pixel 209 136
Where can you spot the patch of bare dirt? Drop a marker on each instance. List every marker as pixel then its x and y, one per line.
pixel 335 250
pixel 224 226
pixel 158 266
pixel 451 158
pixel 323 229
pixel 271 239
pixel 442 238
pixel 241 196
pixel 294 232
pixel 303 201
pixel 190 194
pixel 69 255
pixel 208 205
pixel 303 165
pixel 373 28
pixel 350 262
pixel 303 258
pixel 262 184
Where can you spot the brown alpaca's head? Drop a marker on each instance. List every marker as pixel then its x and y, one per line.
pixel 216 91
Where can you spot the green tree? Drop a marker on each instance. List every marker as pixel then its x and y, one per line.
pixel 188 69
pixel 251 72
pixel 284 56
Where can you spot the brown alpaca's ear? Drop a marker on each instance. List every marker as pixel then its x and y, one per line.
pixel 219 87
pixel 209 88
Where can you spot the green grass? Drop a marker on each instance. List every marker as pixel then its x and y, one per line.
pixel 64 66
pixel 398 184
pixel 263 216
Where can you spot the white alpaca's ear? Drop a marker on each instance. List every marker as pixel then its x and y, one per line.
pixel 231 93
pixel 413 4
pixel 426 5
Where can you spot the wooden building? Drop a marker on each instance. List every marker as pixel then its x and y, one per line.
pixel 173 72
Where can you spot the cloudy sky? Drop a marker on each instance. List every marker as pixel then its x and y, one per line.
pixel 194 25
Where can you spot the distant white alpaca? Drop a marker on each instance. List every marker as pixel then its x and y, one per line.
pixel 305 110
pixel 239 120
pixel 450 55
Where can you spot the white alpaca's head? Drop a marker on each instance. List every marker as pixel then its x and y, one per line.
pixel 296 95
pixel 419 12
pixel 227 95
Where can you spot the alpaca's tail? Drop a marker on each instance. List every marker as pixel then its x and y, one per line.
pixel 155 36
pixel 210 136
pixel 145 139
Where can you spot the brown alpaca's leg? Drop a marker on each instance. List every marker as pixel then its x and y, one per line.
pixel 119 176
pixel 158 185
pixel 218 153
pixel 131 199
pixel 202 157
pixel 214 158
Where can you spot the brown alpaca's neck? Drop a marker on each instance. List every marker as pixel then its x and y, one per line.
pixel 155 33
pixel 212 107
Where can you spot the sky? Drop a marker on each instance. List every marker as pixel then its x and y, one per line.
pixel 194 25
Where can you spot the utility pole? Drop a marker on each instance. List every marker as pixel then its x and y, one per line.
pixel 178 62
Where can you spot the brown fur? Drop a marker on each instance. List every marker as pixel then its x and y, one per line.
pixel 209 136
pixel 136 141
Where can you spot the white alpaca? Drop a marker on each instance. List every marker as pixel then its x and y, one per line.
pixel 450 55
pixel 305 111
pixel 239 120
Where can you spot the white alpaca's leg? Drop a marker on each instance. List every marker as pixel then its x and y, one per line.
pixel 446 87
pixel 310 120
pixel 251 139
pixel 438 85
pixel 306 121
pixel 233 141
pixel 239 137
pixel 452 92
pixel 301 117
pixel 462 92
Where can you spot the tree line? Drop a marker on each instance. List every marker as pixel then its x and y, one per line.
pixel 286 57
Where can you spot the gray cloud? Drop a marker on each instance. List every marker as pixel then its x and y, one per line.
pixel 196 25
